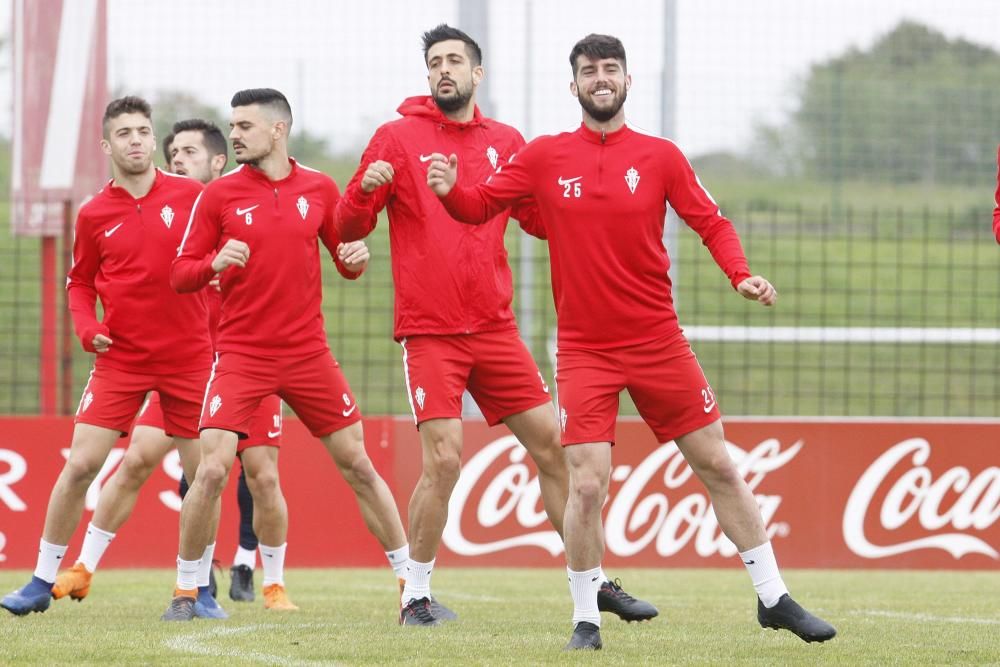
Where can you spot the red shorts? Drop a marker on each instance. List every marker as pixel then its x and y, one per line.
pixel 113 396
pixel 265 424
pixel 495 367
pixel 663 378
pixel 313 386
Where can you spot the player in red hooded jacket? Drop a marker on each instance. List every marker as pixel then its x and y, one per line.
pixel 602 191
pixel 259 227
pixel 453 313
pixel 126 238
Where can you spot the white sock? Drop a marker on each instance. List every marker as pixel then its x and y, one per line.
pixel 763 569
pixel 205 566
pixel 246 557
pixel 95 543
pixel 603 576
pixel 583 586
pixel 187 574
pixel 418 580
pixel 49 558
pixel 397 559
pixel 272 559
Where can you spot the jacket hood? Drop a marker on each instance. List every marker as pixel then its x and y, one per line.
pixel 425 106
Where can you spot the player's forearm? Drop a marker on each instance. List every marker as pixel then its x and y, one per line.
pixel 190 274
pixel 82 300
pixel 468 205
pixel 724 244
pixel 355 217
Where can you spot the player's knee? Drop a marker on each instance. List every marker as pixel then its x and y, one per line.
pixel 587 491
pixel 212 476
pixel 81 470
pixel 263 484
pixel 134 469
pixel 359 472
pixel 443 466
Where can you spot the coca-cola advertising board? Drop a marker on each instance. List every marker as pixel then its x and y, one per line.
pixel 833 493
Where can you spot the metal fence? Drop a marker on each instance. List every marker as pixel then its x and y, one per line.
pixel 852 144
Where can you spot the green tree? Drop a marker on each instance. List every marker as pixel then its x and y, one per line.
pixel 916 107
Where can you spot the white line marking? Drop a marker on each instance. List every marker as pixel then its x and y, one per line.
pixel 927 618
pixel 192 642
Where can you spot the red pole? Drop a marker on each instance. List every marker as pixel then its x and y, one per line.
pixel 47 370
pixel 67 393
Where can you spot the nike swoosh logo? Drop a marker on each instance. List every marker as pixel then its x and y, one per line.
pixel 109 232
pixel 426 158
pixel 708 408
pixel 749 562
pixel 273 434
pixel 244 211
pixel 566 181
pixel 347 413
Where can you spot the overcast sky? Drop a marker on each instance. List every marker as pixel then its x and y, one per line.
pixel 345 66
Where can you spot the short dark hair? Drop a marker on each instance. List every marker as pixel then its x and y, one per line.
pixel 167 142
pixel 444 32
pixel 211 135
pixel 123 105
pixel 598 47
pixel 265 97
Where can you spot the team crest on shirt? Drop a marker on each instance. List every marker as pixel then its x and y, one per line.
pixel 492 156
pixel 420 395
pixel 167 215
pixel 88 398
pixel 214 405
pixel 632 178
pixel 303 207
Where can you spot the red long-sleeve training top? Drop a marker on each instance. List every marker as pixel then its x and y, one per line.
pixel 449 278
pixel 272 306
pixel 122 252
pixel 603 199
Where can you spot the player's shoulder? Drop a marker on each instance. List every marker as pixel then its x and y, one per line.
pixel 94 204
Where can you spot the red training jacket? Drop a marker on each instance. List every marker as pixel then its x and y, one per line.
pixel 603 199
pixel 271 307
pixel 122 252
pixel 449 278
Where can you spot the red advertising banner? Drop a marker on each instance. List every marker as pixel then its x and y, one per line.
pixel 841 494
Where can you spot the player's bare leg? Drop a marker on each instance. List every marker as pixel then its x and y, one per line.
pixel 378 508
pixel 146 450
pixel 589 475
pixel 89 450
pixel 538 430
pixel 200 518
pixel 270 522
pixel 739 517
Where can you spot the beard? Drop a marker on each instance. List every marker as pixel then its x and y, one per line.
pixel 603 115
pixel 455 101
pixel 252 159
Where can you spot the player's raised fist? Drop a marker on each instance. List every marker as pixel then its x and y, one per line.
pixel 377 174
pixel 234 253
pixel 442 172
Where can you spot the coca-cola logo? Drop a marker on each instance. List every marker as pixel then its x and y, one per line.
pixel 498 493
pixel 917 497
